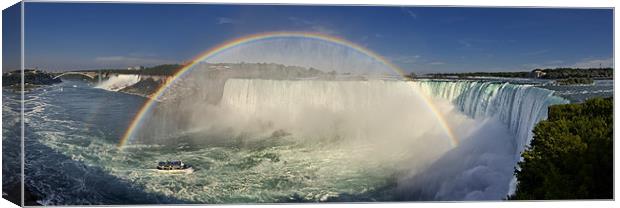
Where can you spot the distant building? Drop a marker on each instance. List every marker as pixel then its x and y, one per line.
pixel 135 67
pixel 538 73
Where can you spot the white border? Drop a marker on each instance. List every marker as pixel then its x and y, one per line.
pixel 510 3
pixel 23 102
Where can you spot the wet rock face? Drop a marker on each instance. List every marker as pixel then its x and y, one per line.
pixel 31 77
pixel 144 87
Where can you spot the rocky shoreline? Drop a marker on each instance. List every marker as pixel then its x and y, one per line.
pixel 145 87
pixel 32 78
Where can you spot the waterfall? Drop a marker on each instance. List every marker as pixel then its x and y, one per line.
pixel 482 166
pixel 119 82
pixel 519 107
pixel 382 121
pixel 351 109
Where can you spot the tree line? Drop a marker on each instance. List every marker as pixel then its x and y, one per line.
pixel 562 73
pixel 481 74
pixel 161 70
pixel 574 81
pixel 547 73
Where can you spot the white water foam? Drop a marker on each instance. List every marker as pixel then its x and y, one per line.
pixel 481 169
pixel 383 127
pixel 119 82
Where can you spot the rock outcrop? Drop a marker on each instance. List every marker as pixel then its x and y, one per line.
pixel 31 77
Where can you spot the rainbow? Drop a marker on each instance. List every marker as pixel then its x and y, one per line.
pixel 148 105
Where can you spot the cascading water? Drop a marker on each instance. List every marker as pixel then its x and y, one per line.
pixel 390 117
pixel 481 167
pixel 119 82
pixel 266 140
pixel 353 110
pixel 519 107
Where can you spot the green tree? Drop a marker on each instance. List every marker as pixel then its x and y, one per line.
pixel 571 154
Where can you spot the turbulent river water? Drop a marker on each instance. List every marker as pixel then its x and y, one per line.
pixel 72 130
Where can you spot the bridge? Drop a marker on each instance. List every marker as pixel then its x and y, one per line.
pixel 91 75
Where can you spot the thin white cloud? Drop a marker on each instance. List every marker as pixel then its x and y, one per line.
pixel 536 52
pixel 324 30
pixel 313 26
pixel 595 63
pixel 410 13
pixel 584 63
pixel 131 61
pixel 300 21
pixel 406 59
pixel 436 63
pixel 226 20
pixel 465 43
pixel 475 43
pixel 556 62
pixel 142 54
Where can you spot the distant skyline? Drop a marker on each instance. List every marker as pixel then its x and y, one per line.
pixel 64 36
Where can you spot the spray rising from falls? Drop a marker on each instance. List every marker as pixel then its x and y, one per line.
pixel 356 123
pixel 375 112
pixel 327 138
pixel 355 110
pixel 519 107
pixel 119 82
pixel 379 122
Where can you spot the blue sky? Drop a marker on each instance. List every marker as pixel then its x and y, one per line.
pixel 11 38
pixel 62 36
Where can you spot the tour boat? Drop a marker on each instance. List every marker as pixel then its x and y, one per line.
pixel 176 166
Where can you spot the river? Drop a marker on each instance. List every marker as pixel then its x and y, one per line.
pixel 72 130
